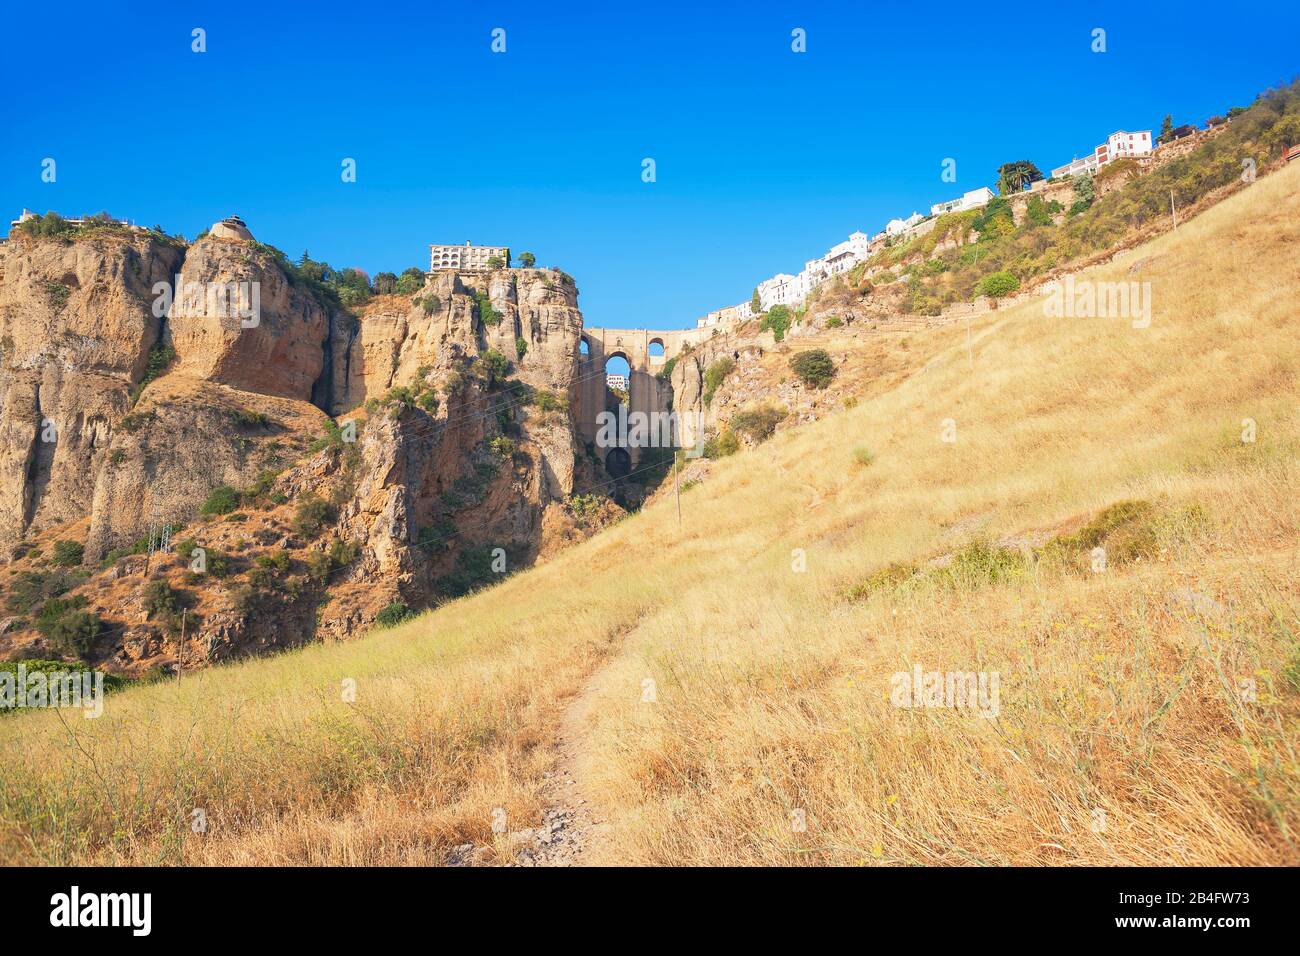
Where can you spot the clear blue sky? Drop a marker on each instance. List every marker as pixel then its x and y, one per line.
pixel 764 157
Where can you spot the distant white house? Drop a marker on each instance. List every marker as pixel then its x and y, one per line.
pixel 616 381
pixel 28 214
pixel 969 200
pixel 895 226
pixel 727 316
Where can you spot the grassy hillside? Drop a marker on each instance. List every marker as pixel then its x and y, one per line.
pixel 1123 734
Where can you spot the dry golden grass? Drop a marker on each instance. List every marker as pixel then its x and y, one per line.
pixel 1120 691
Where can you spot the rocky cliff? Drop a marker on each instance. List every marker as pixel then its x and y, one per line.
pixel 312 466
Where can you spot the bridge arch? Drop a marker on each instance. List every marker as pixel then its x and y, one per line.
pixel 647 393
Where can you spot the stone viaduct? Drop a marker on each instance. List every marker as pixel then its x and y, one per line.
pixel 645 352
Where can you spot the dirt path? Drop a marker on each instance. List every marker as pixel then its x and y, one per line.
pixel 572 832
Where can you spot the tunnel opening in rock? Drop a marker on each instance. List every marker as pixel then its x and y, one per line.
pixel 618 463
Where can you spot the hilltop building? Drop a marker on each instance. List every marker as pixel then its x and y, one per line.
pixel 1119 145
pixel 466 258
pixel 617 382
pixel 969 200
pixel 28 214
pixel 232 227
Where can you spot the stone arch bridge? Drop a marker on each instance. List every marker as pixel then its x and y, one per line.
pixel 646 393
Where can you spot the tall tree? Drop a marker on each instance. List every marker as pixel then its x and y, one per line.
pixel 1013 177
pixel 1166 128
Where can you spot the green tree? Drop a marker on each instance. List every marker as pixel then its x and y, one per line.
pixel 409 282
pixel 1015 176
pixel 221 501
pixel 814 367
pixel 495 262
pixel 385 283
pixel 68 554
pixel 527 260
pixel 995 285
pixel 1166 127
pixel 755 303
pixel 779 320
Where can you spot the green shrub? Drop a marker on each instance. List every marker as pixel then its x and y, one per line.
pixel 161 355
pixel 1127 530
pixel 715 375
pixel 834 322
pixel 278 560
pixel 863 456
pixel 779 320
pixel 548 401
pixel 759 422
pixel 665 374
pixel 721 445
pixel 486 313
pixel 159 599
pixel 67 626
pixel 815 368
pixel 473 570
pixel 995 285
pixel 29 589
pixel 56 293
pixel 393 614
pixel 311 514
pixel 68 554
pixel 502 447
pixel 222 500
pixel 521 347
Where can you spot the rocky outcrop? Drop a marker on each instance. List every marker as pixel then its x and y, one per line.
pixel 453 464
pixel 76 328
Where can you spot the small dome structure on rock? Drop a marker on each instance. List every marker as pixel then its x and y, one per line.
pixel 232 227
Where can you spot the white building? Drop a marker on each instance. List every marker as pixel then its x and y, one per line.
pixel 969 200
pixel 1085 165
pixel 726 317
pixel 1120 144
pixel 28 214
pixel 616 381
pixel 896 226
pixel 778 290
pixel 466 257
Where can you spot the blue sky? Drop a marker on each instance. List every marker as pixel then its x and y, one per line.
pixel 764 157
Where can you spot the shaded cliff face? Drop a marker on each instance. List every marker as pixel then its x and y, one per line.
pixel 449 471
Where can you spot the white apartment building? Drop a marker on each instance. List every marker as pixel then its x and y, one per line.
pixel 616 381
pixel 1120 144
pixel 778 290
pixel 969 200
pixel 466 257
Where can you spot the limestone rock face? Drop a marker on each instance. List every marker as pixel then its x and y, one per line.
pixel 76 327
pixel 238 320
pixel 442 324
pixel 457 473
